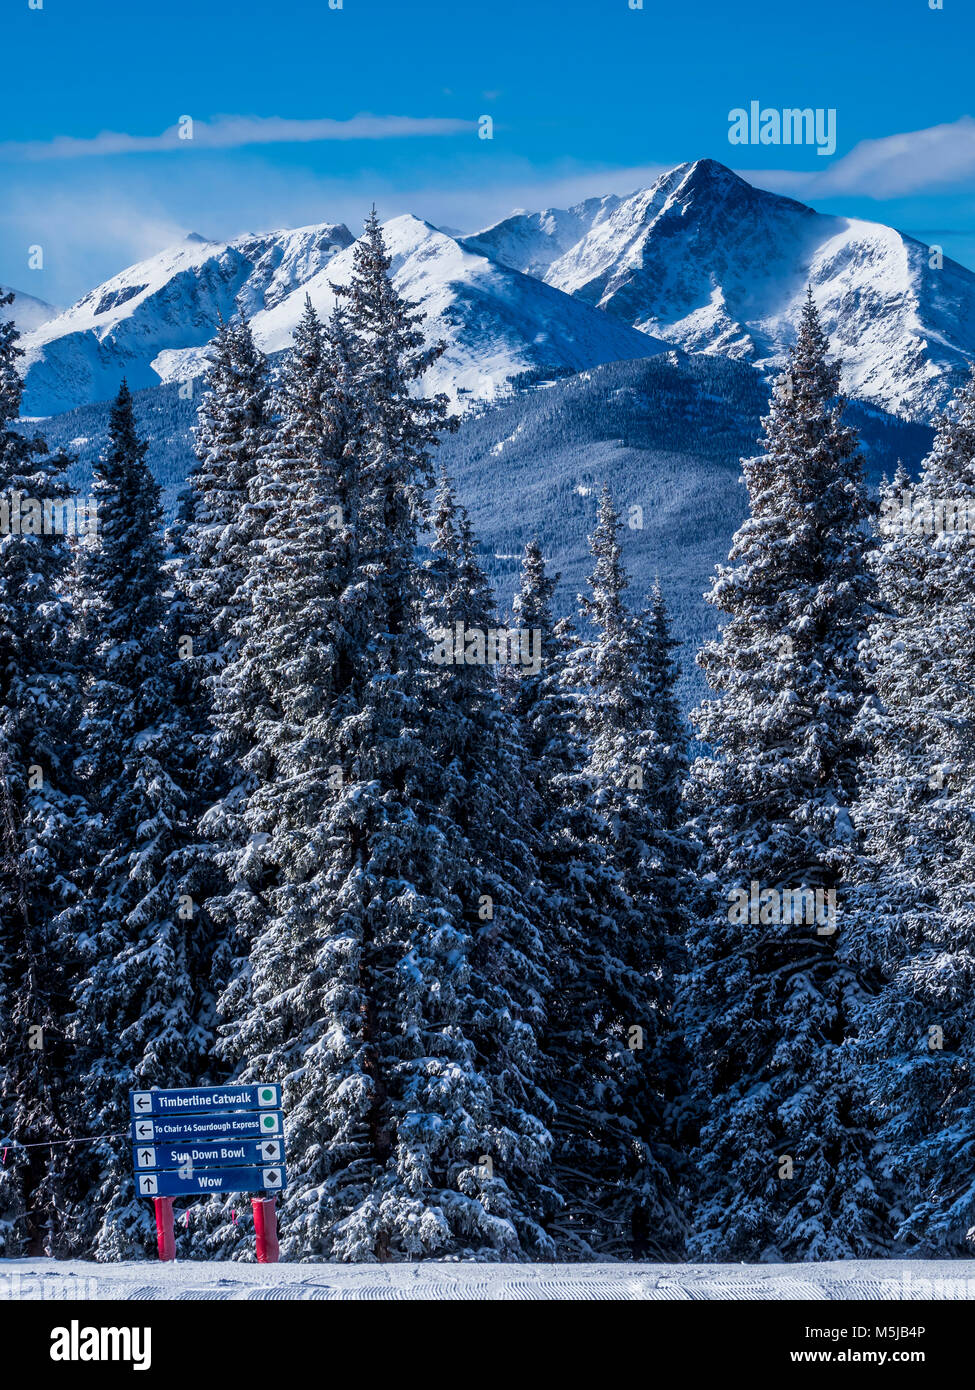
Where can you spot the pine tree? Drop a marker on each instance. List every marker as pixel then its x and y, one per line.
pixel 294 1010
pixel 915 905
pixel 139 996
pixel 481 750
pixel 542 700
pixel 784 1161
pixel 670 766
pixel 217 525
pixel 357 983
pixel 213 540
pixel 427 1106
pixel 41 827
pixel 611 1047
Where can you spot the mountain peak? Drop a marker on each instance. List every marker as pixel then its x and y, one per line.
pixel 706 176
pixel 709 261
pixel 708 168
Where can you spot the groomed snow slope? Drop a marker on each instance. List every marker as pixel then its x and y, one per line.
pixel 916 1280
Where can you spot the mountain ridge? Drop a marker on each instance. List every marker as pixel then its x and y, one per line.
pixel 166 303
pixel 700 259
pixel 710 262
pixel 29 313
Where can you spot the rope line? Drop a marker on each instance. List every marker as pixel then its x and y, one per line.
pixel 53 1143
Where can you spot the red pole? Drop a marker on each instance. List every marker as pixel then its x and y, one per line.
pixel 266 1230
pixel 165 1237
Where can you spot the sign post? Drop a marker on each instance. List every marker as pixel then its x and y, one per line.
pixel 265 1230
pixel 203 1139
pixel 165 1236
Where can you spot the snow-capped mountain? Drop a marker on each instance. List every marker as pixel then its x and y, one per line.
pixel 133 324
pixel 497 323
pixel 153 321
pixel 28 312
pixel 709 262
pixel 700 259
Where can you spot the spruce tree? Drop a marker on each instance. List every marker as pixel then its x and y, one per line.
pixel 670 766
pixel 543 701
pixel 356 990
pixel 914 912
pixel 610 1045
pixel 41 830
pixel 293 1011
pixel 142 985
pixel 503 902
pixel 216 530
pixel 428 1105
pixel 217 524
pixel 784 1164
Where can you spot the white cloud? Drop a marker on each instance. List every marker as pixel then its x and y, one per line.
pixel 112 216
pixel 234 132
pixel 939 158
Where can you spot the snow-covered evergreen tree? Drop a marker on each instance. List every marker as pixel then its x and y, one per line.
pixel 142 984
pixel 914 917
pixel 610 1045
pixel 217 525
pixel 292 1011
pixel 41 827
pixel 784 1164
pixel 668 772
pixel 213 539
pixel 542 700
pixel 503 901
pixel 358 982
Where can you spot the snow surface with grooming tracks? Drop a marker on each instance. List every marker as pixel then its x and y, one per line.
pixel 915 1280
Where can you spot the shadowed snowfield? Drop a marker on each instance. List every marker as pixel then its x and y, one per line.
pixel 915 1280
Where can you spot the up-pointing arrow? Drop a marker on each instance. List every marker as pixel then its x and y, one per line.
pixel 148 1184
pixel 146 1154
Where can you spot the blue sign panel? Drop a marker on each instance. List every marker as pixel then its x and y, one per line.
pixel 268 1180
pixel 204 1099
pixel 226 1124
pixel 237 1151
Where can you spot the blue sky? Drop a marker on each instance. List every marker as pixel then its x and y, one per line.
pixel 306 114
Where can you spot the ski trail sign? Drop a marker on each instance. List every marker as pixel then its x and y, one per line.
pixel 208 1139
pixel 240 1153
pixel 215 1127
pixel 197 1181
pixel 204 1100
